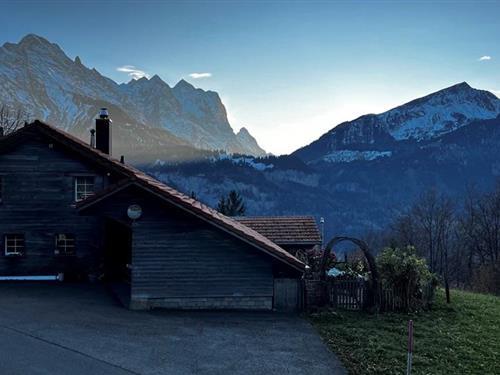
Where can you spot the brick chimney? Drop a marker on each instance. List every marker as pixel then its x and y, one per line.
pixel 103 132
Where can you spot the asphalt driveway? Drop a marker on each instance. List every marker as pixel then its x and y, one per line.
pixel 81 329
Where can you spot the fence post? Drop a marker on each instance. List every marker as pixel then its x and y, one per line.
pixel 410 348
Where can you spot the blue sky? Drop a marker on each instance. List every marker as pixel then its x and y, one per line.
pixel 288 71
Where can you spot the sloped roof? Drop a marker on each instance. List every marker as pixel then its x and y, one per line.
pixel 134 176
pixel 285 230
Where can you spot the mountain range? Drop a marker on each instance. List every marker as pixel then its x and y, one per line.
pixel 165 122
pixel 424 119
pixel 357 175
pixel 362 172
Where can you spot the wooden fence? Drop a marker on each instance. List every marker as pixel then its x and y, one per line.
pixel 347 294
pixel 352 294
pixel 393 299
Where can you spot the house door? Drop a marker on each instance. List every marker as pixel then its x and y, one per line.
pixel 287 295
pixel 118 252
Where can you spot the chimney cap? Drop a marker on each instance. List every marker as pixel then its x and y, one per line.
pixel 104 113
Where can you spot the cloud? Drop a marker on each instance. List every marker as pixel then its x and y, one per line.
pixel 200 75
pixel 484 58
pixel 132 71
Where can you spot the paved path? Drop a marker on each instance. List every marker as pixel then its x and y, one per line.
pixel 80 329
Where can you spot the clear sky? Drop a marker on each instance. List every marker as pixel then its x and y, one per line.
pixel 288 71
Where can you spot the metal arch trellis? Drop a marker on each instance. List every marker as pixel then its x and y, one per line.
pixel 374 276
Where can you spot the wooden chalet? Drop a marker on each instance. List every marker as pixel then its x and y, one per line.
pixel 67 207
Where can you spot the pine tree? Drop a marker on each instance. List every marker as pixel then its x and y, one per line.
pixel 222 206
pixel 232 205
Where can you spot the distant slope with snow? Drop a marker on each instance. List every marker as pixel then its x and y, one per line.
pixel 361 173
pixel 355 191
pixel 422 119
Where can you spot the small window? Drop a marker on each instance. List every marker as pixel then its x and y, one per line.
pixel 65 244
pixel 14 244
pixel 84 187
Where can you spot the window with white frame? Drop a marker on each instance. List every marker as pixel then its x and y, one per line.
pixel 14 244
pixel 84 187
pixel 65 244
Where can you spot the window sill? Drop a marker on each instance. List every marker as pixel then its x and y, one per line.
pixel 64 255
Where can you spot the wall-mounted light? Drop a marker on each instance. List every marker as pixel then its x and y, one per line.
pixel 134 212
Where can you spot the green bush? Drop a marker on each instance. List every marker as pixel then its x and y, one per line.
pixel 407 274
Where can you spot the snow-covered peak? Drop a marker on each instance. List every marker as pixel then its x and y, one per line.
pixel 35 44
pixel 201 105
pixel 37 76
pixel 440 112
pixel 421 119
pixel 424 118
pixel 459 93
pixel 249 142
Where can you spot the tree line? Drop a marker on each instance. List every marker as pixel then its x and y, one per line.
pixel 460 239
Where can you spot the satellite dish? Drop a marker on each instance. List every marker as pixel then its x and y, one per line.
pixel 134 211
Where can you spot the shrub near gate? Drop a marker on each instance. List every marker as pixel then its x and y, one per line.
pixel 401 270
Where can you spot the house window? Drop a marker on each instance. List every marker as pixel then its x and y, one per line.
pixel 1 189
pixel 65 244
pixel 84 187
pixel 14 244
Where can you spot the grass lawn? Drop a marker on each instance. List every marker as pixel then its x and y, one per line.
pixel 460 338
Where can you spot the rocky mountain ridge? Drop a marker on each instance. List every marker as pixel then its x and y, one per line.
pixel 375 136
pixel 40 78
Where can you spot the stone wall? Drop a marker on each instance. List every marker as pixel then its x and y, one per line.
pixel 212 303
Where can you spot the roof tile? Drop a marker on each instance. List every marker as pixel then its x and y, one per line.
pixel 285 230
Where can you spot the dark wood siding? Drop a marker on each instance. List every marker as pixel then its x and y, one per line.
pixel 177 258
pixel 38 201
pixel 176 255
